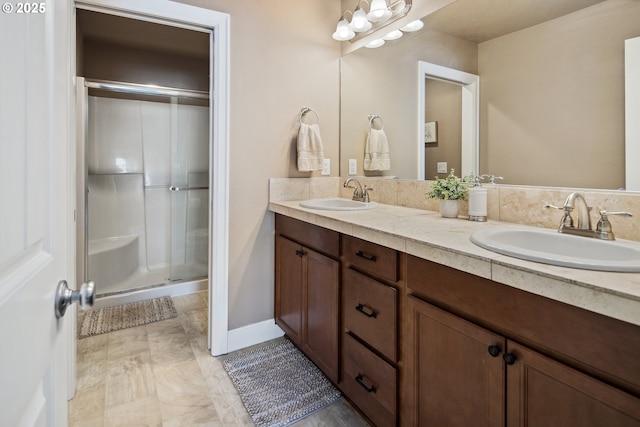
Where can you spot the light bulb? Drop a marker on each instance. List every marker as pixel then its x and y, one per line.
pixel 359 22
pixel 393 35
pixel 379 11
pixel 413 26
pixel 343 32
pixel 374 44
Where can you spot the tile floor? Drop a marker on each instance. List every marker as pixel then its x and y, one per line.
pixel 161 374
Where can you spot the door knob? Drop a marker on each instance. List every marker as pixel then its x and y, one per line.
pixel 65 297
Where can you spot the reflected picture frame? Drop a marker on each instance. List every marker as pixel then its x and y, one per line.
pixel 431 132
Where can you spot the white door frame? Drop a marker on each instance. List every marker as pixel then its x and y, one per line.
pixel 177 14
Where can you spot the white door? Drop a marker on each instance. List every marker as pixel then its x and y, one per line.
pixel 35 209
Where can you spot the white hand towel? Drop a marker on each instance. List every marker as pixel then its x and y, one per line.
pixel 376 151
pixel 310 154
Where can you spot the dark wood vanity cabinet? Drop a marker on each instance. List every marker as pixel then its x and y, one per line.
pixel 307 290
pixel 483 354
pixel 414 343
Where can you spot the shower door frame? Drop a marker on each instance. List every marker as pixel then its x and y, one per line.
pixel 217 24
pixel 82 101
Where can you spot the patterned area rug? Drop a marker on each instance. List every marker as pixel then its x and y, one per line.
pixel 111 319
pixel 278 384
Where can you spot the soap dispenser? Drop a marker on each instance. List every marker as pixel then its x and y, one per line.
pixel 478 201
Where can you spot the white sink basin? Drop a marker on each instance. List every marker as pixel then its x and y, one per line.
pixel 336 204
pixel 551 247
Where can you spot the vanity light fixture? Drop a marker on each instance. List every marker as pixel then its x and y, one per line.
pixel 364 23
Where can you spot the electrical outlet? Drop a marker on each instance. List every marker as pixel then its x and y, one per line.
pixel 353 166
pixel 326 167
pixel 442 167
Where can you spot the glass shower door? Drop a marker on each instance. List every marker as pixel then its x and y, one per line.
pixel 189 189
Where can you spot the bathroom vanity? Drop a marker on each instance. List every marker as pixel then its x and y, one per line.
pixel 417 326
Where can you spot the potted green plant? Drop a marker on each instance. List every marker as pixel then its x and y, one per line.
pixel 449 190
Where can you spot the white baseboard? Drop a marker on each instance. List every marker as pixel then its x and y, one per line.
pixel 253 334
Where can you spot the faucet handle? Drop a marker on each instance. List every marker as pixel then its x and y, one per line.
pixel 566 221
pixel 566 208
pixel 366 193
pixel 560 208
pixel 492 178
pixel 621 213
pixel 604 226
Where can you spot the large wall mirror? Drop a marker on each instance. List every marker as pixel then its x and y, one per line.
pixel 551 97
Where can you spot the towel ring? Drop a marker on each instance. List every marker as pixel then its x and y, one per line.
pixel 304 111
pixel 372 117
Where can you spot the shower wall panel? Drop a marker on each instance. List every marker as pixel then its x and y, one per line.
pixel 116 208
pixel 115 136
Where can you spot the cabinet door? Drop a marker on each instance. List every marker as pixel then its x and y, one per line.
pixel 543 392
pixel 454 380
pixel 289 288
pixel 321 311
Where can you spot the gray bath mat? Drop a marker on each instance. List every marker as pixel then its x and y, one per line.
pixel 111 319
pixel 278 384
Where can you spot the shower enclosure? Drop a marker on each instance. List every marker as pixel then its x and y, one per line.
pixel 145 190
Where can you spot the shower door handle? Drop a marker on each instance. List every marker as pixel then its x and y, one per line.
pixel 174 188
pixel 86 296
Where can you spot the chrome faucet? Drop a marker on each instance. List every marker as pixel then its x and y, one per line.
pixel 359 194
pixel 576 200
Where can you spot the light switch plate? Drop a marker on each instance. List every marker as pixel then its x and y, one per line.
pixel 442 167
pixel 326 167
pixel 353 166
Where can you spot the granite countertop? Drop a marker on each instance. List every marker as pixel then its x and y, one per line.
pixel 427 235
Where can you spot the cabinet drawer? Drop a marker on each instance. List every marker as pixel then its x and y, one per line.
pixel 371 258
pixel 369 311
pixel 369 382
pixel 314 237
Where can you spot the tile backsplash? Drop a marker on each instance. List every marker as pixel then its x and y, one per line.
pixel 508 203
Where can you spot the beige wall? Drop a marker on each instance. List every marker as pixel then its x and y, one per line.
pixel 282 59
pixel 443 104
pixel 106 61
pixel 539 123
pixel 384 81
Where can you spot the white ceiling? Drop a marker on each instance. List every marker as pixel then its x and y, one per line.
pixel 482 20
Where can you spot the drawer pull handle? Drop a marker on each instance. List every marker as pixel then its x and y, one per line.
pixel 361 254
pixel 367 311
pixel 370 388
pixel 300 253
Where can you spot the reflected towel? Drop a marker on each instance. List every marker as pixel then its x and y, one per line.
pixel 310 154
pixel 376 151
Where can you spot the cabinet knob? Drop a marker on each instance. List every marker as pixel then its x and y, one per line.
pixel 494 350
pixel 509 358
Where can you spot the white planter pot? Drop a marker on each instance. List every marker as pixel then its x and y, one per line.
pixel 449 208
